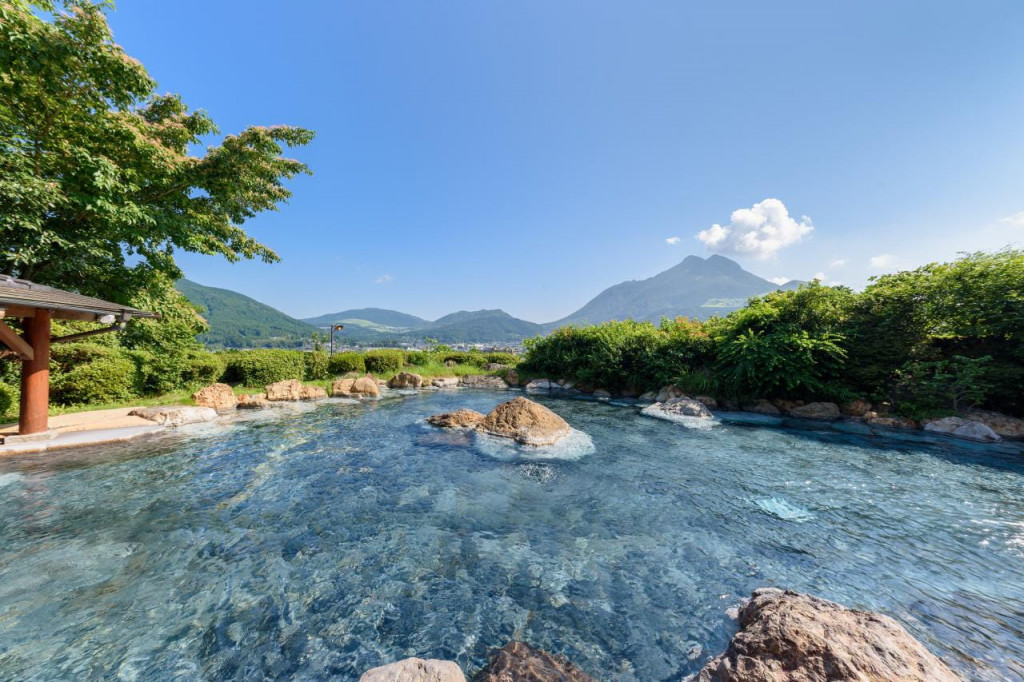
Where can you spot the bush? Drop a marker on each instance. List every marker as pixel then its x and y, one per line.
pixel 8 398
pixel 317 366
pixel 465 358
pixel 64 357
pixel 384 361
pixel 418 358
pixel 103 380
pixel 202 369
pixel 262 367
pixel 509 359
pixel 343 363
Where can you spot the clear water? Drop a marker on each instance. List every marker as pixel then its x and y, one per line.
pixel 320 543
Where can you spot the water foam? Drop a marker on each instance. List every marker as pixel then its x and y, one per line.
pixel 573 447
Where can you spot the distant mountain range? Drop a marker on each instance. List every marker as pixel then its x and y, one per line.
pixel 696 287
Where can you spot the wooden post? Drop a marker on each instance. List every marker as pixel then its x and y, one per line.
pixel 35 375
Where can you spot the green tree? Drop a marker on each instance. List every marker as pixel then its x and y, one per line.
pixel 99 182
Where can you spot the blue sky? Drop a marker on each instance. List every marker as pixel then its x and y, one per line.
pixel 526 155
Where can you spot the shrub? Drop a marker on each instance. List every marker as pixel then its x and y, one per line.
pixel 509 359
pixel 942 386
pixel 64 357
pixel 103 380
pixel 262 367
pixel 317 366
pixel 343 363
pixel 418 358
pixel 384 361
pixel 465 358
pixel 202 369
pixel 8 398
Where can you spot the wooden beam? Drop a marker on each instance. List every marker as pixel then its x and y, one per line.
pixel 15 342
pixel 35 377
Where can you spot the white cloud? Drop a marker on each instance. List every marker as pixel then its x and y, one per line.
pixel 779 280
pixel 882 260
pixel 672 240
pixel 820 276
pixel 837 263
pixel 759 231
pixel 384 279
pixel 1014 222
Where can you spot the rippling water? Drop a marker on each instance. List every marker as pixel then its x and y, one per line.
pixel 321 543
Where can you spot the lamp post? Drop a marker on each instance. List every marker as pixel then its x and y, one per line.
pixel 334 328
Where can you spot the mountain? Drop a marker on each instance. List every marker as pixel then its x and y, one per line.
pixel 370 317
pixel 237 321
pixel 696 287
pixel 480 326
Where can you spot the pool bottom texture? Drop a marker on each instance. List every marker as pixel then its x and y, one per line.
pixel 317 543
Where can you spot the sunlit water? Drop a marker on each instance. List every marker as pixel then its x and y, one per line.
pixel 320 543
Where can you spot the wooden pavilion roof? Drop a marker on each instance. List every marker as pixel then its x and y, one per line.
pixel 21 298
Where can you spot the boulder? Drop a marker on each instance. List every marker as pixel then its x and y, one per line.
pixel 1003 425
pixel 786 406
pixel 481 381
pixel 541 385
pixel 707 400
pixel 521 662
pixel 459 419
pixel 445 382
pixel 289 389
pixel 415 670
pixel 175 415
pixel 649 397
pixel 494 366
pixel 856 408
pixel 512 377
pixel 669 392
pixel 525 422
pixel 602 394
pixel 963 428
pixel 218 396
pixel 365 386
pixel 762 406
pixel 312 393
pixel 253 402
pixel 892 422
pixel 406 380
pixel 791 637
pixel 683 406
pixel 342 387
pixel 816 411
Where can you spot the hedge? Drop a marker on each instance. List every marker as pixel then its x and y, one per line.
pixel 343 363
pixel 317 366
pixel 502 358
pixel 8 396
pixel 103 380
pixel 384 361
pixel 418 358
pixel 262 367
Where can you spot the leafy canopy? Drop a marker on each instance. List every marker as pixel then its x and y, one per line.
pixel 99 181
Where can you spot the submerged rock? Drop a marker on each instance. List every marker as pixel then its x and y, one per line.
pixel 480 381
pixel 543 385
pixel 963 428
pixel 406 380
pixel 525 422
pixel 762 406
pixel 681 406
pixel 1003 425
pixel 220 397
pixel 520 662
pixel 791 637
pixel 459 419
pixel 415 670
pixel 668 393
pixel 445 382
pixel 175 415
pixel 889 422
pixel 816 411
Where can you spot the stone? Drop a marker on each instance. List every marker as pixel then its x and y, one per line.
pixel 1003 425
pixel 289 389
pixel 890 422
pixel 816 411
pixel 520 662
pixel 365 386
pixel 525 422
pixel 707 400
pixel 494 366
pixel 649 397
pixel 415 670
pixel 786 406
pixel 218 396
pixel 792 637
pixel 481 381
pixel 175 415
pixel 459 419
pixel 312 393
pixel 541 385
pixel 252 402
pixel 406 380
pixel 602 394
pixel 963 428
pixel 762 406
pixel 667 393
pixel 683 406
pixel 445 382
pixel 856 408
pixel 342 387
pixel 512 377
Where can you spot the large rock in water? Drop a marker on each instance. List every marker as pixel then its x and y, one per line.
pixel 406 380
pixel 459 419
pixel 175 415
pixel 520 662
pixel 678 406
pixel 816 411
pixel 525 422
pixel 218 396
pixel 963 428
pixel 791 637
pixel 289 389
pixel 482 381
pixel 1003 425
pixel 415 670
pixel 363 386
